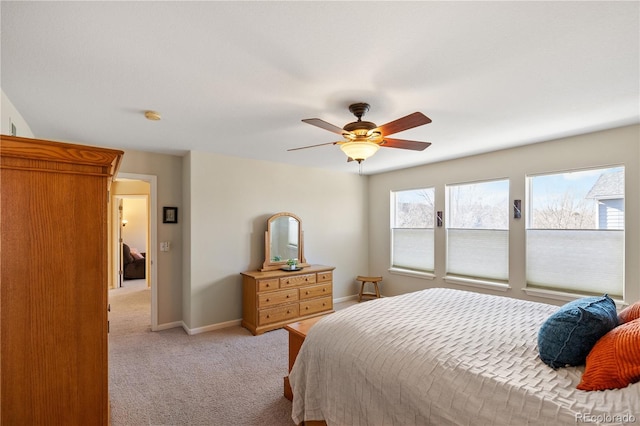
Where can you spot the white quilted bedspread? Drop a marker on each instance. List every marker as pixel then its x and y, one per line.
pixel 440 357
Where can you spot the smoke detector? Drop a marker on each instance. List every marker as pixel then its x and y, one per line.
pixel 152 115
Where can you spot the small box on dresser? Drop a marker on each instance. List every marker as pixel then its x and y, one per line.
pixel 273 299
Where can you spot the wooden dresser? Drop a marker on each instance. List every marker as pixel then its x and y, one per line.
pixel 273 299
pixel 53 288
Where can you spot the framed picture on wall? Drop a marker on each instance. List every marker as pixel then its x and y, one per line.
pixel 169 215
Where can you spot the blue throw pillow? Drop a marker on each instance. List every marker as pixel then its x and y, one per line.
pixel 567 336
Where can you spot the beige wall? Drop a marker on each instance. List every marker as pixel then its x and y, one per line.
pixel 618 146
pixel 168 171
pixel 224 203
pixel 230 202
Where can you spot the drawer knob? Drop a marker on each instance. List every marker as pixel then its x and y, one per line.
pixel 267 300
pixel 324 289
pixel 267 285
pixel 306 292
pixel 324 304
pixel 288 312
pixel 287 296
pixel 268 316
pixel 306 307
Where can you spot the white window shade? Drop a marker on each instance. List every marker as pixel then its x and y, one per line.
pixel 412 218
pixel 413 248
pixel 590 261
pixel 479 253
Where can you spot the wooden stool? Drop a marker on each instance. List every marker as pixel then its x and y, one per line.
pixel 374 281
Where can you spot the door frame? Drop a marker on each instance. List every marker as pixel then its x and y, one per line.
pixel 153 238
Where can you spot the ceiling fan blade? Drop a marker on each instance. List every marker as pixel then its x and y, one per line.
pixel 312 146
pixel 410 121
pixel 405 144
pixel 323 125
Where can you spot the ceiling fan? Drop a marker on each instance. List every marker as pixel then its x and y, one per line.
pixel 362 139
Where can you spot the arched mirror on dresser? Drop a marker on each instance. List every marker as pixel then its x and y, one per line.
pixel 276 294
pixel 283 240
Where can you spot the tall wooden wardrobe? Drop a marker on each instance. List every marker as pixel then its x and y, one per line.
pixel 53 282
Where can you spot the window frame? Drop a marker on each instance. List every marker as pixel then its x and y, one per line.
pixel 428 273
pixel 477 280
pixel 571 292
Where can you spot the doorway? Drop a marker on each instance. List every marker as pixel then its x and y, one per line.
pixel 134 222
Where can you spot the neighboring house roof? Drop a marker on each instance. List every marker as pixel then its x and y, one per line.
pixel 608 186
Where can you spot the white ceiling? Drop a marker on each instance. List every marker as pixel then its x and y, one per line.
pixel 237 77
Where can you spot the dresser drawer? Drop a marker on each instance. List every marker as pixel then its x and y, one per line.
pixel 316 305
pixel 325 276
pixel 315 291
pixel 297 280
pixel 282 313
pixel 264 285
pixel 273 298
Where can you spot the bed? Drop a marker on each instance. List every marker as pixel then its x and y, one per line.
pixel 443 357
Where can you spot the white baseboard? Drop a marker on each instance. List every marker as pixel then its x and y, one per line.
pixel 346 298
pixel 168 325
pixel 212 327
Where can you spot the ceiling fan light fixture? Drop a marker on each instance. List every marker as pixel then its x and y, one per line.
pixel 361 127
pixel 348 136
pixel 358 150
pixel 374 136
pixel 362 139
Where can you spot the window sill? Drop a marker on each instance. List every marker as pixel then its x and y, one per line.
pixel 411 273
pixel 474 282
pixel 565 297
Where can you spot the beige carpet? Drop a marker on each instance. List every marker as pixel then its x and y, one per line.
pixel 225 377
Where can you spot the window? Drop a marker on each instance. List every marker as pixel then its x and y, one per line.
pixel 478 230
pixel 412 229
pixel 575 231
